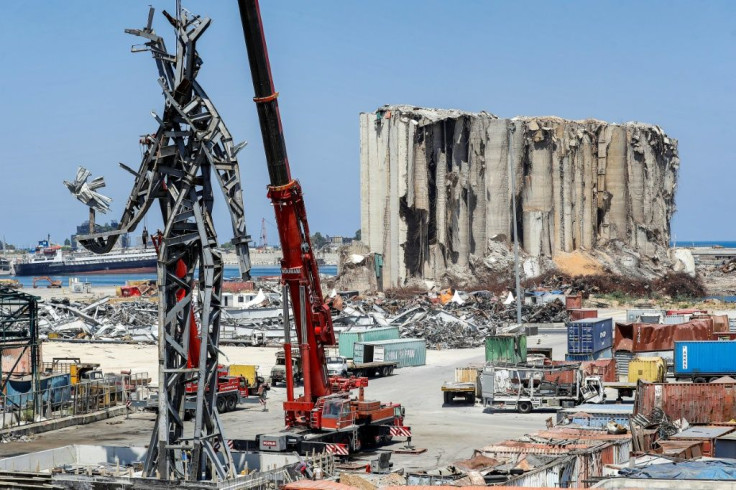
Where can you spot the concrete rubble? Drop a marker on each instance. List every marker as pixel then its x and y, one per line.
pixel 436 193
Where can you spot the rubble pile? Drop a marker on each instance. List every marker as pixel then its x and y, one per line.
pixel 446 320
pixel 130 320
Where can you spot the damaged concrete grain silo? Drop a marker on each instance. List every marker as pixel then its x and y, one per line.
pixel 436 192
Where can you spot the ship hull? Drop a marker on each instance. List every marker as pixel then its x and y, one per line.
pixel 142 265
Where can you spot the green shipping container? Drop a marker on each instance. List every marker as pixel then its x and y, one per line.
pixel 506 348
pixel 405 352
pixel 347 338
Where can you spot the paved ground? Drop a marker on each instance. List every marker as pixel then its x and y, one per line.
pixel 448 432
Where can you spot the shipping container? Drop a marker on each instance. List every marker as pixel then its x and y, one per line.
pixel 707 434
pixel 675 319
pixel 650 319
pixel 581 313
pixel 725 446
pixel 405 352
pixel 705 360
pixel 698 403
pixel 574 302
pixel 687 311
pixel 348 338
pixel 589 335
pixel 644 337
pixel 633 315
pixel 649 369
pixel 603 354
pixel 605 369
pixel 506 348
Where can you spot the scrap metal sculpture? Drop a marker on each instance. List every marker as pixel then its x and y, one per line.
pixel 190 144
pixel 86 192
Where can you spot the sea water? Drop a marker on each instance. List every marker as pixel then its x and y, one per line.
pixel 231 271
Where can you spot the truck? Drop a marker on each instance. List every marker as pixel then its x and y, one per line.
pixel 341 366
pixel 704 361
pixel 278 371
pixel 249 372
pixel 465 386
pixel 325 416
pixel 525 388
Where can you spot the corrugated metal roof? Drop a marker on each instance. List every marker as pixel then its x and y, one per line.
pixel 591 408
pixel 703 432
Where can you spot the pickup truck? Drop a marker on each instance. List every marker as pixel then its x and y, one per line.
pixel 340 366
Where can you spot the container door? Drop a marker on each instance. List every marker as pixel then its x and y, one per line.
pixel 378 353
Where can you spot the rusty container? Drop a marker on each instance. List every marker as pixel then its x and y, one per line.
pixel 580 313
pixel 603 368
pixel 574 302
pixel 698 403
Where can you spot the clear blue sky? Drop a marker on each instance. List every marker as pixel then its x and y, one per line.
pixel 74 94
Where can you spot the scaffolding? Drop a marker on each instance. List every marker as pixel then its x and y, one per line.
pixel 19 331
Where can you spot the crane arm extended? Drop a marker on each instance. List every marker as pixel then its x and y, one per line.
pixel 299 269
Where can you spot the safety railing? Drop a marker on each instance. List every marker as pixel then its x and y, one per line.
pixel 56 402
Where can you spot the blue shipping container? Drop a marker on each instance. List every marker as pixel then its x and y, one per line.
pixel 705 358
pixel 589 335
pixel 594 356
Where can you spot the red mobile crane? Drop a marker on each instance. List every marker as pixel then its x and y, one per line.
pixel 325 413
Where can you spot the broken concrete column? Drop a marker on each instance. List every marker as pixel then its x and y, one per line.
pixel 437 188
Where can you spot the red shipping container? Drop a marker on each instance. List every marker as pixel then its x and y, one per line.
pixel 652 337
pixel 688 311
pixel 698 403
pixel 581 313
pixel 574 302
pixel 604 368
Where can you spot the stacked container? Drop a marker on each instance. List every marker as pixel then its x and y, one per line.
pixel 589 339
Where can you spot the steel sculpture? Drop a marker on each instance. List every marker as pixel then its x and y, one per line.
pixel 190 145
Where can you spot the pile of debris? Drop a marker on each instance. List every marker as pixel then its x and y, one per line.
pixel 448 319
pixel 129 320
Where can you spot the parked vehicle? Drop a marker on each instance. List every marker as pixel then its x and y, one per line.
pixel 465 386
pixel 278 372
pixel 340 366
pixel 249 373
pixel 525 388
pixel 704 361
pixel 231 391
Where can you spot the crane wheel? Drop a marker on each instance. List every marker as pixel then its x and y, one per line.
pixel 525 407
pixel 232 403
pixel 221 404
